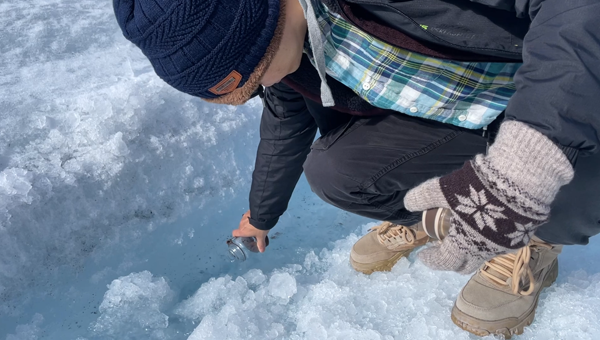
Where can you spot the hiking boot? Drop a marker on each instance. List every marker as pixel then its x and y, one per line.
pixel 384 245
pixel 502 296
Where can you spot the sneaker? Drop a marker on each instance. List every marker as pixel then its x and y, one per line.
pixel 502 296
pixel 384 245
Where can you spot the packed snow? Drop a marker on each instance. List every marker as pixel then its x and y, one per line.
pixel 117 194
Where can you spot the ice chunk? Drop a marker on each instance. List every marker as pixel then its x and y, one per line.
pixel 214 294
pixel 255 277
pixel 117 146
pixel 15 185
pixel 133 306
pixel 282 285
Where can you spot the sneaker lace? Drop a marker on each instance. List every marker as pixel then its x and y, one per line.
pixel 513 269
pixel 391 234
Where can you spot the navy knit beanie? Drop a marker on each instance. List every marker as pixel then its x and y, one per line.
pixel 206 48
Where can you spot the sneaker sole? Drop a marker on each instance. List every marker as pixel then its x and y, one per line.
pixel 501 327
pixel 380 266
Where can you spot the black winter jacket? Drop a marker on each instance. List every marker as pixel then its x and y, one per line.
pixel 558 86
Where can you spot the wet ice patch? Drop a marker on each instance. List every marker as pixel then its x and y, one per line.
pixel 30 331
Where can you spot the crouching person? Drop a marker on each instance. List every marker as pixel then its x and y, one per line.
pixel 480 115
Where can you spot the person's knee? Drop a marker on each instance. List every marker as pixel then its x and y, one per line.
pixel 318 174
pixel 322 173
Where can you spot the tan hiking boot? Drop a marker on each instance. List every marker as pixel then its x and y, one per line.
pixel 502 296
pixel 384 245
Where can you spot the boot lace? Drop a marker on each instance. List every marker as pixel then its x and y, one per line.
pixel 513 269
pixel 391 234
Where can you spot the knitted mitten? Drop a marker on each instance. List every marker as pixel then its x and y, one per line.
pixel 497 200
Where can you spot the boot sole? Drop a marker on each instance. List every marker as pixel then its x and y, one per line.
pixel 380 266
pixel 501 327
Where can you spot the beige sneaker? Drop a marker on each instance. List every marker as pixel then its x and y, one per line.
pixel 502 296
pixel 384 245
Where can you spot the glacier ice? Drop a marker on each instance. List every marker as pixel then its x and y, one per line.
pixel 132 305
pixel 117 194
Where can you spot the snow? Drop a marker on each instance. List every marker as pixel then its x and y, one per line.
pixel 117 194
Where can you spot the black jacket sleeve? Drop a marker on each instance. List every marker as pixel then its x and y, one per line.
pixel 287 131
pixel 558 86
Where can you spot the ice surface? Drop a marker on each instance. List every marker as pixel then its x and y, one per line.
pixel 132 305
pixel 29 331
pixel 117 194
pixel 94 148
pixel 323 298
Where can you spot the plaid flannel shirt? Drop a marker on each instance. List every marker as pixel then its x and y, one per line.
pixel 466 94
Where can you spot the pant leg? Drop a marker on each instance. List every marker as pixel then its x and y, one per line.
pixel 367 165
pixel 327 119
pixel 575 214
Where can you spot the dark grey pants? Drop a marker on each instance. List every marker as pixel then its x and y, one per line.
pixel 367 165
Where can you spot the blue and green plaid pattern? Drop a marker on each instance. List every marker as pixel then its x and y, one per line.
pixel 466 94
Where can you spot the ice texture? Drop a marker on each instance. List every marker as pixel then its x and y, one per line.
pixel 324 298
pixel 94 147
pixel 132 305
pixel 29 331
pixel 117 194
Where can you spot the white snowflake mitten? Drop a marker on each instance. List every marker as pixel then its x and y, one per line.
pixel 498 200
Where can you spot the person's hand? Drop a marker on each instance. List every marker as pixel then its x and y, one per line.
pixel 247 230
pixel 497 200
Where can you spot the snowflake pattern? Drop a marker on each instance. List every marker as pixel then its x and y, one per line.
pixel 522 234
pixel 484 213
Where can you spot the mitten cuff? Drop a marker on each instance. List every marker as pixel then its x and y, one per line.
pixel 522 161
